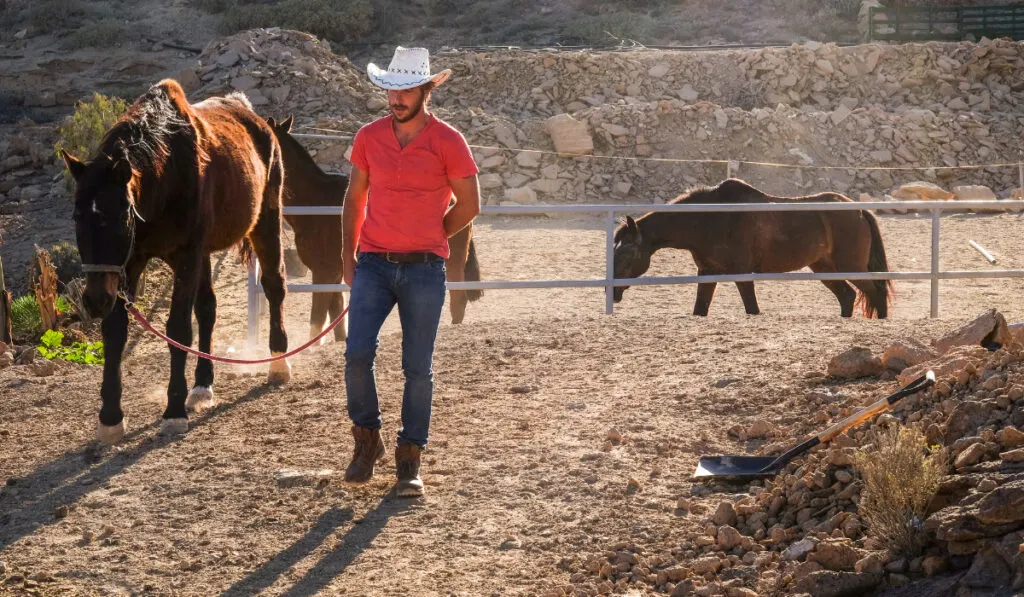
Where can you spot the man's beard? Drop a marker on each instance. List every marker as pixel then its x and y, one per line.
pixel 411 112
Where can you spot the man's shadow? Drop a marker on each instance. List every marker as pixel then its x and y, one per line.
pixel 354 542
pixel 30 503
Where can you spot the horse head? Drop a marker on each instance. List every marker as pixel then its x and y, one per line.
pixel 632 255
pixel 105 216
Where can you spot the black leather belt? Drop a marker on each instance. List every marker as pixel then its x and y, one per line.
pixel 419 257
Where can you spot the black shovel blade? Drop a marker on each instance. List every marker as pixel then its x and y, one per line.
pixel 737 467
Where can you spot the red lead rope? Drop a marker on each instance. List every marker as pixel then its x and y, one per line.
pixel 139 317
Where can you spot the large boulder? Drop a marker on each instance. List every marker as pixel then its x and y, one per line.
pixel 986 330
pixel 570 136
pixel 855 362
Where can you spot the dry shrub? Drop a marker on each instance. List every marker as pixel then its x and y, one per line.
pixel 901 475
pixel 334 20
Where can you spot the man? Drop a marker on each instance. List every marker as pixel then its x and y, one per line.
pixel 398 216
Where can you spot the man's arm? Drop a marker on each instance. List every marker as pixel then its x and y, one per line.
pixel 467 204
pixel 353 214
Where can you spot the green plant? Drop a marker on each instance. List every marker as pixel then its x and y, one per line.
pixel 901 475
pixel 25 317
pixel 51 347
pixel 82 133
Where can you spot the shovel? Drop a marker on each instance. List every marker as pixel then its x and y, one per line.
pixel 740 468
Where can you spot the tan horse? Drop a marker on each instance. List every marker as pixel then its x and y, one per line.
pixel 318 238
pixel 761 242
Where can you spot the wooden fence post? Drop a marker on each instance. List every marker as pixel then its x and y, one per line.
pixel 5 309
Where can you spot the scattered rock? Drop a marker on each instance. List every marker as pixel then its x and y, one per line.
pixel 835 555
pixel 569 135
pixel 827 583
pixel 985 330
pixel 906 353
pixel 988 570
pixel 725 514
pixel 728 538
pixel 855 362
pixel 799 550
pixel 289 478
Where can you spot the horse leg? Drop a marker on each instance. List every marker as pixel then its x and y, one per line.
pixel 705 292
pixel 845 293
pixel 201 396
pixel 266 242
pixel 188 269
pixel 749 297
pixel 321 300
pixel 456 271
pixel 110 427
pixel 841 288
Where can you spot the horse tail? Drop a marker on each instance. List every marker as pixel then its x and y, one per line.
pixel 877 262
pixel 473 272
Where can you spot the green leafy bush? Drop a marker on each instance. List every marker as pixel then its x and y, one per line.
pixel 81 135
pixel 52 347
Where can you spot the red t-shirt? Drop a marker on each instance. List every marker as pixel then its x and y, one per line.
pixel 409 191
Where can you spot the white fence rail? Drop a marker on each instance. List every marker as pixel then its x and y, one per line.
pixel 609 282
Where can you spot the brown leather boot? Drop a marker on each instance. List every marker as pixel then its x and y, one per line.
pixel 407 463
pixel 368 450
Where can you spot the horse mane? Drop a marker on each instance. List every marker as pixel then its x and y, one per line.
pixel 143 134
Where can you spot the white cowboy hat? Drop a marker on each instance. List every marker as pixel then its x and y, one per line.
pixel 410 67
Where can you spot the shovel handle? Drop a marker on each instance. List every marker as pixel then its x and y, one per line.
pixel 926 380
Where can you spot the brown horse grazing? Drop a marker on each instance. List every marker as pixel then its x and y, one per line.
pixel 318 238
pixel 176 182
pixel 761 242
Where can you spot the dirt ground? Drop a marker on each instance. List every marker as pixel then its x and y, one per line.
pixel 521 479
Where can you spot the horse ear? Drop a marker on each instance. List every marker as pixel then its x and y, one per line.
pixel 271 122
pixel 75 166
pixel 631 226
pixel 287 123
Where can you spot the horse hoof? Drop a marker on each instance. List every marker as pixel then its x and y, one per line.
pixel 173 426
pixel 280 371
pixel 200 399
pixel 110 434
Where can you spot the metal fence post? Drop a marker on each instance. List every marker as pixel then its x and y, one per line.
pixel 253 326
pixel 936 215
pixel 609 263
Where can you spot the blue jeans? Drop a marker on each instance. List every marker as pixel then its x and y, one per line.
pixel 419 290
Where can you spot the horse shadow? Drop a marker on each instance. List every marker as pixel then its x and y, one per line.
pixel 317 578
pixel 31 502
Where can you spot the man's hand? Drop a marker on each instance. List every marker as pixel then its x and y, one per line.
pixel 467 204
pixel 352 218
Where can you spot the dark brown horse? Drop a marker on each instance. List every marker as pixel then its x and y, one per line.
pixel 176 182
pixel 761 242
pixel 318 238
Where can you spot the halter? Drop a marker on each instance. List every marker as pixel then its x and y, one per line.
pixel 104 268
